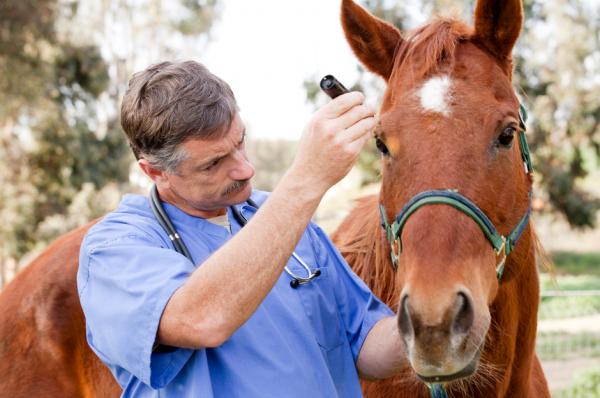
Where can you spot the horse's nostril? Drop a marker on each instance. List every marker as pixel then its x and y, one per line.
pixel 404 321
pixel 463 318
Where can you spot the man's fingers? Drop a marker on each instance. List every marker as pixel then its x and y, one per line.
pixel 342 104
pixel 361 129
pixel 356 145
pixel 355 114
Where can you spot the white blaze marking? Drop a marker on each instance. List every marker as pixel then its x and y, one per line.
pixel 434 95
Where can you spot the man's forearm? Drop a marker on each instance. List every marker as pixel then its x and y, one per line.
pixel 224 292
pixel 383 353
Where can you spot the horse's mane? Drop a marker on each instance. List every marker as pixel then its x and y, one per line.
pixel 364 247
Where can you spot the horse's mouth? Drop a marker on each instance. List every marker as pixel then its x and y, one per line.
pixel 461 374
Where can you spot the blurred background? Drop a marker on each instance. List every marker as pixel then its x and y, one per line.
pixel 64 65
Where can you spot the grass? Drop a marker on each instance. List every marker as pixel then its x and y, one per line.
pixel 576 263
pixel 561 345
pixel 572 271
pixel 586 384
pixel 570 282
pixel 568 307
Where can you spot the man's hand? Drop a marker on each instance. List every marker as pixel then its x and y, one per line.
pixel 332 141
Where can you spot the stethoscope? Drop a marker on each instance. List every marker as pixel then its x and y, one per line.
pixel 180 247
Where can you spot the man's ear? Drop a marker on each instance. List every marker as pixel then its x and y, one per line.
pixel 498 24
pixel 373 41
pixel 159 177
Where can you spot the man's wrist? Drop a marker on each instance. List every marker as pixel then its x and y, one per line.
pixel 301 186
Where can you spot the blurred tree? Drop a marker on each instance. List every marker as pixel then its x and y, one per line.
pixel 64 66
pixel 558 70
pixel 271 159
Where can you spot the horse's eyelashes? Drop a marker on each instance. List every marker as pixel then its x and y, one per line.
pixel 381 146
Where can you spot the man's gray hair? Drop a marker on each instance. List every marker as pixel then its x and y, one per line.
pixel 169 103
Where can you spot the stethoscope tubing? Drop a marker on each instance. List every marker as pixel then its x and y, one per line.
pixel 180 247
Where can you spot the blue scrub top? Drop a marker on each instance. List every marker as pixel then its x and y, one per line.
pixel 300 342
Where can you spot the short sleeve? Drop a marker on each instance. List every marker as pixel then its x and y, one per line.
pixel 358 307
pixel 124 285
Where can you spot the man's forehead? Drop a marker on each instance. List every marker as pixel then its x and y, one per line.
pixel 220 145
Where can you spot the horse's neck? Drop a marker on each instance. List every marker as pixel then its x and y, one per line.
pixel 511 339
pixel 361 241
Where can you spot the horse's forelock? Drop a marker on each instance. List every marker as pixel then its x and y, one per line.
pixel 429 48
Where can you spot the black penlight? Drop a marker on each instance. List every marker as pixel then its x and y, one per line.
pixel 332 87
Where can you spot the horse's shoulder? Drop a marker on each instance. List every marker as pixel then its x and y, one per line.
pixel 48 283
pixel 42 328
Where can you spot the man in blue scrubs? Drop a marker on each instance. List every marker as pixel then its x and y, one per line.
pixel 228 323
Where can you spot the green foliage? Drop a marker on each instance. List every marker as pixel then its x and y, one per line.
pixel 200 15
pixel 570 282
pixel 576 263
pixel 64 157
pixel 557 68
pixel 585 385
pixel 561 307
pixel 562 346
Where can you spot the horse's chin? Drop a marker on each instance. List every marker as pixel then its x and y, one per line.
pixel 465 372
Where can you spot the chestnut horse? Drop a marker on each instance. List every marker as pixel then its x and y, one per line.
pixel 467 301
pixel 447 122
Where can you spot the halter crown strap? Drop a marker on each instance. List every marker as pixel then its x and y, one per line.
pixel 525 154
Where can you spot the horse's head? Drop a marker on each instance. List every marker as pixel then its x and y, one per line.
pixel 449 121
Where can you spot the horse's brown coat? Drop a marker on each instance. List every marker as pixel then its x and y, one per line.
pixel 43 350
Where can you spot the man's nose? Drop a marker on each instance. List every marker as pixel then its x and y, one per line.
pixel 243 169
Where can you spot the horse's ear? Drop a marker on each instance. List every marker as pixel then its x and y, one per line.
pixel 498 25
pixel 373 41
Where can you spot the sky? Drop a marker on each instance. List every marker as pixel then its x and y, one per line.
pixel 265 49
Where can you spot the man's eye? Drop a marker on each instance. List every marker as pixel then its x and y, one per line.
pixel 212 165
pixel 506 136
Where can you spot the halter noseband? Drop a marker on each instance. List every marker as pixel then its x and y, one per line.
pixel 502 245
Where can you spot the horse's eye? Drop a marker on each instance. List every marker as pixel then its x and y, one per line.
pixel 381 146
pixel 506 136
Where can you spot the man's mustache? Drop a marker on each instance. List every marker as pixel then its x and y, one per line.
pixel 235 187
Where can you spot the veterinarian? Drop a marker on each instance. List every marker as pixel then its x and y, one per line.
pixel 232 322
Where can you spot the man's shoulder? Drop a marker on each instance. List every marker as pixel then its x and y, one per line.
pixel 132 219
